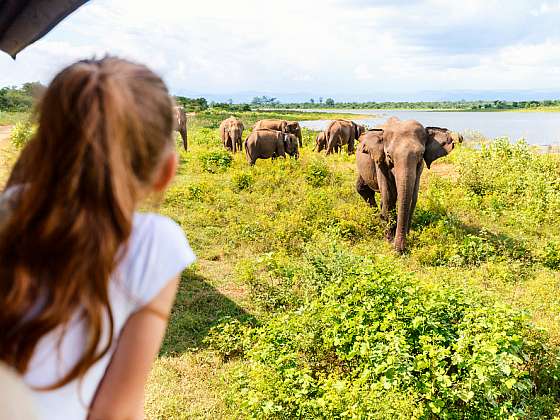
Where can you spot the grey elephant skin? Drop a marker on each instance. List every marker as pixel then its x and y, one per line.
pixel 284 126
pixel 231 133
pixel 181 124
pixel 267 144
pixel 390 160
pixel 342 132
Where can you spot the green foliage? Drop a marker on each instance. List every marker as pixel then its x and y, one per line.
pixel 371 335
pixel 20 99
pixel 192 105
pixel 230 337
pixel 551 255
pixel 242 181
pixel 22 133
pixel 318 173
pixel 509 180
pixel 216 161
pixel 292 243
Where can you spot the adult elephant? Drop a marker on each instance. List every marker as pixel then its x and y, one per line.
pixel 231 132
pixel 284 126
pixel 341 132
pixel 390 160
pixel 266 144
pixel 181 124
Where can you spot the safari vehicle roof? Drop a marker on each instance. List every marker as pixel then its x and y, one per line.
pixel 23 22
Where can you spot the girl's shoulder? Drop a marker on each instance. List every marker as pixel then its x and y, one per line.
pixel 157 251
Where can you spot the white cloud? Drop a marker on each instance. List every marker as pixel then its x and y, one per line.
pixel 362 72
pixel 327 48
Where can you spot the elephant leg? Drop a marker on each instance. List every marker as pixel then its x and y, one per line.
pixel 365 191
pixel 351 146
pixel 332 145
pixel 415 193
pixel 388 191
pixel 183 133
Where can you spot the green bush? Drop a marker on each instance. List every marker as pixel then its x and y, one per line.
pixel 371 335
pixel 242 181
pixel 551 255
pixel 216 161
pixel 22 133
pixel 317 173
pixel 511 180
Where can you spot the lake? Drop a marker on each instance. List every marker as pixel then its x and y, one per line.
pixel 538 128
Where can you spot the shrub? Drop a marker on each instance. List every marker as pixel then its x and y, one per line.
pixel 242 181
pixel 371 336
pixel 551 255
pixel 317 173
pixel 22 133
pixel 216 161
pixel 510 179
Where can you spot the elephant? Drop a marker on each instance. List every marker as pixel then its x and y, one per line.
pixel 341 132
pixel 390 160
pixel 265 144
pixel 231 132
pixel 320 142
pixel 284 126
pixel 181 124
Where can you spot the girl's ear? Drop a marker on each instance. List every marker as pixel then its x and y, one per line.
pixel 166 172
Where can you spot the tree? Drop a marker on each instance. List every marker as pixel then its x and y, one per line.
pixel 329 101
pixel 190 105
pixel 264 100
pixel 311 101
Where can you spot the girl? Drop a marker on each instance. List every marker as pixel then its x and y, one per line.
pixel 86 282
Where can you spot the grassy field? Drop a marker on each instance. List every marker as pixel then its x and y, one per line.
pixel 11 118
pixel 275 319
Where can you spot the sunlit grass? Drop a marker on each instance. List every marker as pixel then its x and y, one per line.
pixel 487 221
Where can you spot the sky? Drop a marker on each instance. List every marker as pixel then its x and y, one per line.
pixel 299 49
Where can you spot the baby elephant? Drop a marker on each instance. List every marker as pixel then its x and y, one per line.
pixel 266 144
pixel 320 142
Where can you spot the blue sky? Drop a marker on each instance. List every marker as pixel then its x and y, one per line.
pixel 366 49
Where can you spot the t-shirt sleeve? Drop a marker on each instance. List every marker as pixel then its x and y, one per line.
pixel 158 252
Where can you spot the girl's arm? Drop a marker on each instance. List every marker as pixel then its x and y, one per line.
pixel 120 395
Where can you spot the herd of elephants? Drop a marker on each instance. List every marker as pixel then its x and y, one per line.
pixel 389 158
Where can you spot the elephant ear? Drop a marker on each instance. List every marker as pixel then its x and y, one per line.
pixel 439 143
pixel 373 145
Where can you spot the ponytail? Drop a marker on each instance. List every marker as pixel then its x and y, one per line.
pixel 103 126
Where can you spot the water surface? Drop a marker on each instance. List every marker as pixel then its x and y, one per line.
pixel 538 128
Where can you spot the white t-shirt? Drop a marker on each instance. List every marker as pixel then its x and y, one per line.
pixel 157 251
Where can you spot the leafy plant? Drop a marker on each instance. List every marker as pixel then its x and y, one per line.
pixel 22 133
pixel 216 161
pixel 242 181
pixel 371 335
pixel 317 173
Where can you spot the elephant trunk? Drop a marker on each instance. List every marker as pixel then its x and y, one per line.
pixel 405 181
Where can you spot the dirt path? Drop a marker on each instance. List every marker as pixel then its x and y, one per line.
pixel 4 133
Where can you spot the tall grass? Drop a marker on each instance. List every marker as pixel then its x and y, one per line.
pixel 278 317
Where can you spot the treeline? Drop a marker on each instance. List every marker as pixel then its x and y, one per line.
pixel 450 105
pixel 20 99
pixel 201 104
